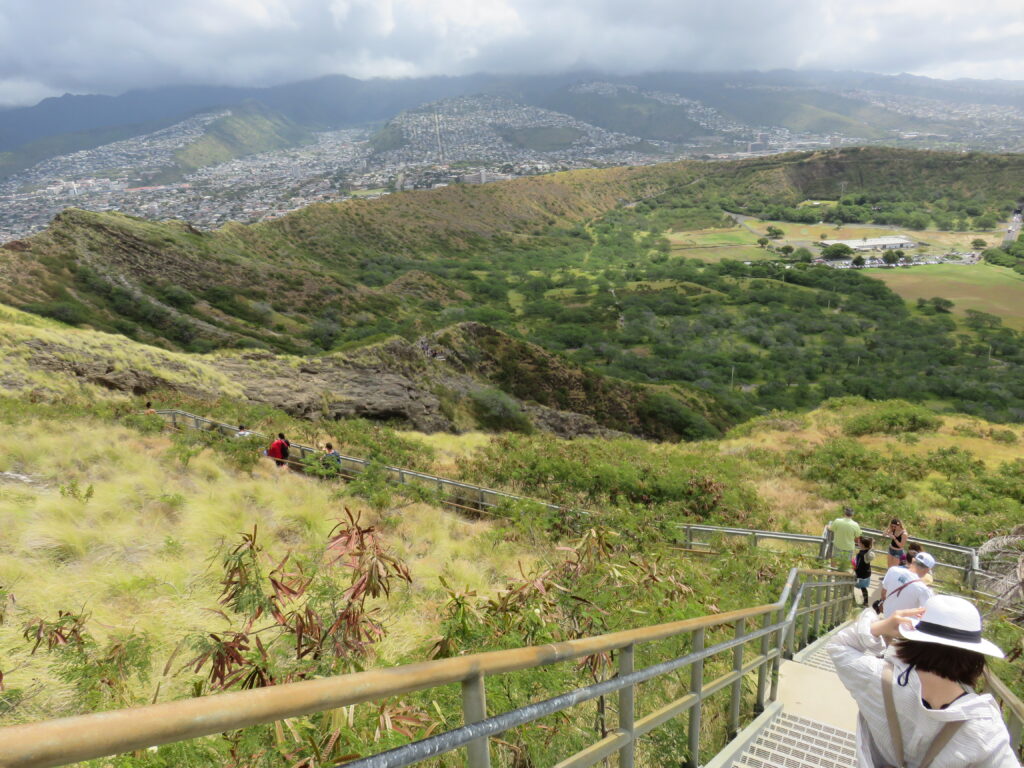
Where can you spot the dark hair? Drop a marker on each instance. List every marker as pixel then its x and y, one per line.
pixel 330 447
pixel 914 547
pixel 149 404
pixel 956 664
pixel 867 542
pixel 895 521
pixel 280 435
pixel 241 427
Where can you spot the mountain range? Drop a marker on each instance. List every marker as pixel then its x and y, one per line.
pixel 664 106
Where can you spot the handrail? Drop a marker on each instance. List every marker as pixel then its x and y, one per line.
pixel 400 473
pixel 1013 707
pixel 971 572
pixel 67 740
pixel 971 552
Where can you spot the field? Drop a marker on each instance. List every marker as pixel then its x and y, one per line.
pixel 713 245
pixel 996 290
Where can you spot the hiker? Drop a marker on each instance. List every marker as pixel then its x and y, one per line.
pixel 897 536
pixel 903 588
pixel 242 431
pixel 149 408
pixel 278 450
pixel 927 714
pixel 332 455
pixel 913 550
pixel 845 532
pixel 862 565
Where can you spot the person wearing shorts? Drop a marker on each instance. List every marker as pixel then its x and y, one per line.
pixel 897 536
pixel 845 533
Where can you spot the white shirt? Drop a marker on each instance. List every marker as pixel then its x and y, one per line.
pixel 982 742
pixel 914 595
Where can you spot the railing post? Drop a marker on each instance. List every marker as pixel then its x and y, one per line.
pixel 780 646
pixel 174 419
pixel 626 710
pixel 474 709
pixel 689 537
pixel 737 686
pixel 830 609
pixel 762 671
pixel 696 688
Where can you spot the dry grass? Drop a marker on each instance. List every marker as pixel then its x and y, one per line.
pixel 34 350
pixel 449 447
pixel 142 553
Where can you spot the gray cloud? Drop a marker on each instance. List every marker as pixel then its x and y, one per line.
pixel 107 46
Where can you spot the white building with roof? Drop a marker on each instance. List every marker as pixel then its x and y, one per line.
pixel 888 243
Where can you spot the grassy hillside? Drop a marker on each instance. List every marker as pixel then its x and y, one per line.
pixel 147 567
pixel 581 263
pixel 249 129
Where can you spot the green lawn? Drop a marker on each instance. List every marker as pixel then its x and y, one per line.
pixel 704 237
pixel 736 253
pixel 996 290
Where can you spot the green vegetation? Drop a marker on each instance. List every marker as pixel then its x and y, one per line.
pixel 617 285
pixel 387 138
pixel 982 288
pixel 545 138
pixel 249 129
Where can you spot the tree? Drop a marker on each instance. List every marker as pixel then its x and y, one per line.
pixel 762 241
pixel 775 233
pixel 978 244
pixel 786 250
pixel 858 261
pixel 941 304
pixel 836 251
pixel 898 254
pixel 803 254
pixel 890 257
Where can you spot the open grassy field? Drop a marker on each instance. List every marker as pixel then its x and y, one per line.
pixel 707 237
pixel 996 290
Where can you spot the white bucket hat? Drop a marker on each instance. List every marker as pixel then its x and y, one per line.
pixel 951 621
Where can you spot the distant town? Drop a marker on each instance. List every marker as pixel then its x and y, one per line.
pixel 463 140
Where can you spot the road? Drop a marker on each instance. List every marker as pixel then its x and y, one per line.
pixel 1013 231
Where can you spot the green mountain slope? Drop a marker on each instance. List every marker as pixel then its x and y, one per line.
pixel 578 263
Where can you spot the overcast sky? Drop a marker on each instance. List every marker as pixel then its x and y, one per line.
pixel 49 47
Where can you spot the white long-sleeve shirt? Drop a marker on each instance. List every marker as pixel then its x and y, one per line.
pixel 982 742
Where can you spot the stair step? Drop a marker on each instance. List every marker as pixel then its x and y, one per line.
pixel 796 742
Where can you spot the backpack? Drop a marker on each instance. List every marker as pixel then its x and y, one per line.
pixel 862 563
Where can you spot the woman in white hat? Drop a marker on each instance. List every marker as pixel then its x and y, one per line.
pixel 917 706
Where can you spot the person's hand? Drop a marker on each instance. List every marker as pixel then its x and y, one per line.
pixel 890 627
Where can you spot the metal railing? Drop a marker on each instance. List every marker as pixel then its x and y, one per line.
pixel 811 602
pixel 962 561
pixel 463 495
pixel 1012 709
pixel 953 560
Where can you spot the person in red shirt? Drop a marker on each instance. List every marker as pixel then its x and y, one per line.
pixel 278 450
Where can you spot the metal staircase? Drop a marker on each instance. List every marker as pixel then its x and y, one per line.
pixel 789 741
pixel 786 739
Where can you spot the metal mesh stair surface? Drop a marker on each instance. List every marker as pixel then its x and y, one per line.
pixel 796 742
pixel 819 659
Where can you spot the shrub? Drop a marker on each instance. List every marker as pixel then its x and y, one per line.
pixel 892 418
pixel 663 416
pixel 70 312
pixel 498 411
pixel 1007 436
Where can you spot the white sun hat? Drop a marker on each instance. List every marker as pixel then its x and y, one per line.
pixel 951 621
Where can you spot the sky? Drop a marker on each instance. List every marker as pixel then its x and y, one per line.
pixel 51 47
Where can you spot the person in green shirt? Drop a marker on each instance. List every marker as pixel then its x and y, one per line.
pixel 845 533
